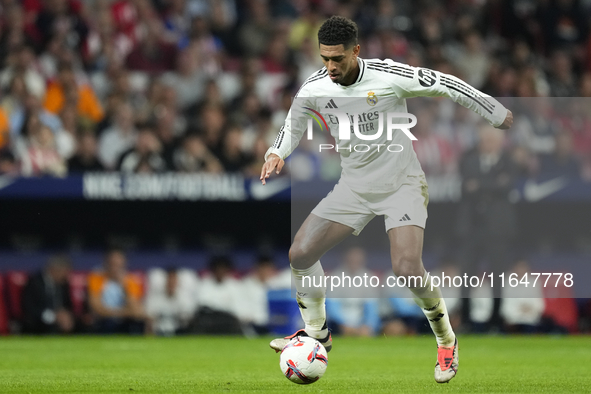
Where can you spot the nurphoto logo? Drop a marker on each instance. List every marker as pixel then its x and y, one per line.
pixel 363 126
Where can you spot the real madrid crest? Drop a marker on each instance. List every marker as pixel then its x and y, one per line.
pixel 372 99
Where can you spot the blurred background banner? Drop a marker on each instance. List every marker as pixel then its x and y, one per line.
pixel 171 186
pixel 442 188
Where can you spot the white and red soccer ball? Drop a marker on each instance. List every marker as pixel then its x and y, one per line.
pixel 303 360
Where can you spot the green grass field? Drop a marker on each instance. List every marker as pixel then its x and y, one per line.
pixel 234 365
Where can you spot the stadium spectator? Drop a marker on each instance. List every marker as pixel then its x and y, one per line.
pixel 126 23
pixel 576 120
pixel 46 302
pixel 255 286
pixel 193 156
pixel 171 304
pixel 61 18
pixel 260 147
pixel 486 218
pixel 14 100
pixel 31 106
pixel 534 128
pixel 481 309
pixel 257 30
pixel 152 55
pixel 145 155
pixel 188 79
pixel 209 46
pixel 70 123
pixel 13 32
pixel 41 156
pixel 563 24
pixel 220 300
pixel 152 100
pixel 234 159
pixel 118 138
pixel 4 129
pixel 354 311
pixel 523 304
pixel 177 21
pixel 104 46
pixel 67 90
pixel 473 62
pixel 124 85
pixel 212 96
pixel 213 127
pixel 404 317
pixel 435 153
pixel 561 78
pixel 22 62
pixel 170 128
pixel 85 159
pixel 8 165
pixel 115 297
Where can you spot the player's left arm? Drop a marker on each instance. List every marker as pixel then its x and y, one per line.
pixel 290 134
pixel 430 83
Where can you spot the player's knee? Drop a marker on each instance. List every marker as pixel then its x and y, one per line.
pixel 299 257
pixel 407 266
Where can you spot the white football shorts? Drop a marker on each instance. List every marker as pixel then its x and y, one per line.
pixel 407 206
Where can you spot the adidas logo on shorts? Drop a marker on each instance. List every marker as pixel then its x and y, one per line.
pixel 404 218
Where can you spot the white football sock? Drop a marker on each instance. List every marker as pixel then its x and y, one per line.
pixel 310 296
pixel 433 306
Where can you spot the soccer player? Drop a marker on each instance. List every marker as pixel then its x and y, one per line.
pixel 374 182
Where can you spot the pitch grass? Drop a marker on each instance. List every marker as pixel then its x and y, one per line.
pixel 234 365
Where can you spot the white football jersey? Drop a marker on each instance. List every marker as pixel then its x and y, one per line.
pixel 382 87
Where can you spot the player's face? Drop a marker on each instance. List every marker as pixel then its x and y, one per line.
pixel 341 63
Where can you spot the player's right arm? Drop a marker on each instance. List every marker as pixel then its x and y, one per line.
pixel 409 82
pixel 290 133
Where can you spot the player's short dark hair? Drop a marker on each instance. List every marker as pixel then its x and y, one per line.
pixel 338 30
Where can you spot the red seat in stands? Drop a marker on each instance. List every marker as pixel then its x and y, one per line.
pixel 561 306
pixel 3 309
pixel 15 282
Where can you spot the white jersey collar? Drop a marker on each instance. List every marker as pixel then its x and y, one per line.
pixel 361 64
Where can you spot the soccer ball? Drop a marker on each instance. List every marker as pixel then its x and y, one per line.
pixel 303 360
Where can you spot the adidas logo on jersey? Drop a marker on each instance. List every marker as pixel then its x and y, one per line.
pixel 331 104
pixel 404 218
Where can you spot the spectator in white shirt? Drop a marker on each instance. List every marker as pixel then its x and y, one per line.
pixel 170 302
pixel 220 300
pixel 255 308
pixel 523 304
pixel 118 138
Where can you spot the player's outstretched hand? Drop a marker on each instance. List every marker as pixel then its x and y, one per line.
pixel 508 121
pixel 273 162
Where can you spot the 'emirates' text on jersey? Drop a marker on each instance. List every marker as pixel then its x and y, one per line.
pixel 381 87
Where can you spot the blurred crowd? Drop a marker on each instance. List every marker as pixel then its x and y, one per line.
pixel 147 86
pixel 110 299
pixel 368 311
pixel 221 300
